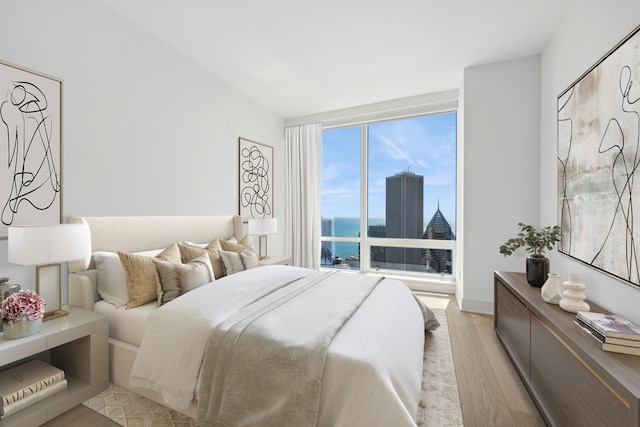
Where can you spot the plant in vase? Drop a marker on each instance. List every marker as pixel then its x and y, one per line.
pixel 536 243
pixel 22 314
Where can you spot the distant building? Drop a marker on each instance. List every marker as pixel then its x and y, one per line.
pixel 326 251
pixel 377 252
pixel 404 216
pixel 438 260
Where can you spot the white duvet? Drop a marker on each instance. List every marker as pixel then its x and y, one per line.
pixel 373 368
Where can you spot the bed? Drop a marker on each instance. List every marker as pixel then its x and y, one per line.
pixel 370 368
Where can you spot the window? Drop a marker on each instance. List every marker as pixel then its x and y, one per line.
pixel 389 194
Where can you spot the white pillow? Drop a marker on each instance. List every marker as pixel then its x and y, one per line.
pixel 112 279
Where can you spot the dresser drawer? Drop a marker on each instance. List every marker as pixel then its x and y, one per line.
pixel 512 326
pixel 568 388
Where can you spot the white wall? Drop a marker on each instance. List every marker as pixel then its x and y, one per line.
pixel 146 130
pixel 499 182
pixel 586 35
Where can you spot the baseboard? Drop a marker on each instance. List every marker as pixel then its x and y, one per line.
pixel 471 306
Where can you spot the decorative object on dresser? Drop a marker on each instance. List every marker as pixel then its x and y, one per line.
pixel 552 289
pixel 31 132
pixel 46 246
pixel 22 314
pixel 573 298
pixel 262 228
pixel 536 243
pixel 572 382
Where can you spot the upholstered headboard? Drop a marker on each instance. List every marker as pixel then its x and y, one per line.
pixel 140 233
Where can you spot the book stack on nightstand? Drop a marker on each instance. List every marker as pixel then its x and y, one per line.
pixel 28 383
pixel 610 332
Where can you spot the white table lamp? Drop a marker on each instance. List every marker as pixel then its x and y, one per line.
pixel 46 246
pixel 262 227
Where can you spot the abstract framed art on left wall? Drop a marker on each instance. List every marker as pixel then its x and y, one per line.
pixel 30 147
pixel 256 179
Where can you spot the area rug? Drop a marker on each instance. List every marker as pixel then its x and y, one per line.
pixel 439 405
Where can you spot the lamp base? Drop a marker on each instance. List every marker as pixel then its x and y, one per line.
pixel 49 315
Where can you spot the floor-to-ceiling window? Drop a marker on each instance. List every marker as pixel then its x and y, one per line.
pixel 389 195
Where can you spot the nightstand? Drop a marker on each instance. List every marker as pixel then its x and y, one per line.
pixel 281 260
pixel 79 345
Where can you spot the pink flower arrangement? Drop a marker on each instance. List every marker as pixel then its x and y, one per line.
pixel 25 303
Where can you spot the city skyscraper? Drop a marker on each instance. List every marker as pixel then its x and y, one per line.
pixel 438 260
pixel 404 215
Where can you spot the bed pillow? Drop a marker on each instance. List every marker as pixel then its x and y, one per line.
pixel 142 284
pixel 430 321
pixel 175 279
pixel 234 262
pixel 233 245
pixel 189 253
pixel 112 279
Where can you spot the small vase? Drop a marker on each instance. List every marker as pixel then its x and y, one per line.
pixel 537 270
pixel 552 289
pixel 573 299
pixel 21 328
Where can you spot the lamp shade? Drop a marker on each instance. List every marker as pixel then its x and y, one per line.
pixel 45 244
pixel 263 226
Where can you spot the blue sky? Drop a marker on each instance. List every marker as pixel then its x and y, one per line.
pixel 423 145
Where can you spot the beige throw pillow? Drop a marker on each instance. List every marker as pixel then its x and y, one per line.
pixel 189 253
pixel 176 279
pixel 239 261
pixel 232 245
pixel 142 282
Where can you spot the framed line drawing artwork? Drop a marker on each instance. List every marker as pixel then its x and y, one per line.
pixel 598 162
pixel 30 147
pixel 256 179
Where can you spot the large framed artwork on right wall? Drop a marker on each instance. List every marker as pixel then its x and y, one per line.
pixel 598 160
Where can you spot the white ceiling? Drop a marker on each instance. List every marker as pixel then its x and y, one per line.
pixel 298 57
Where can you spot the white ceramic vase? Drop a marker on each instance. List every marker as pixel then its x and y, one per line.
pixel 573 298
pixel 21 328
pixel 552 289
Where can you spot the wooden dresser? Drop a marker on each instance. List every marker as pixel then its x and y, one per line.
pixel 572 381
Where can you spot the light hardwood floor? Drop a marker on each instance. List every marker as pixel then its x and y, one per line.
pixel 491 392
pixel 81 416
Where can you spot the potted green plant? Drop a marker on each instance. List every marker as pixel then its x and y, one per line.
pixel 536 243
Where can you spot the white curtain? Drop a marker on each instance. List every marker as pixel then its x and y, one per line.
pixel 303 148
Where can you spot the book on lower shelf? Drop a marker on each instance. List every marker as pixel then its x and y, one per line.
pixel 21 381
pixel 599 340
pixel 18 405
pixel 610 325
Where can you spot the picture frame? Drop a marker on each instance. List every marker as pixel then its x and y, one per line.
pixel 255 179
pixel 30 147
pixel 598 125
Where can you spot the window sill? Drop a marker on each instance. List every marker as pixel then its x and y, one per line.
pixel 415 282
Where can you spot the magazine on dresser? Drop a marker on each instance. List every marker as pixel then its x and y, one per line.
pixel 599 340
pixel 610 325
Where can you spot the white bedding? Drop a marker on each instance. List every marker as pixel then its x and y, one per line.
pixel 126 325
pixel 372 370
